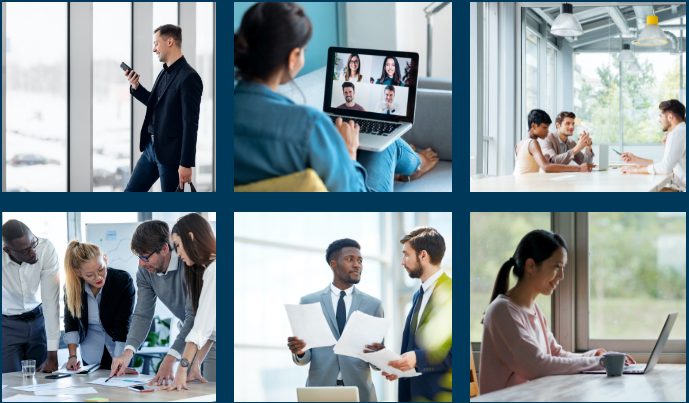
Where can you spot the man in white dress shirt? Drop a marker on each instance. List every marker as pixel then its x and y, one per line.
pixel 30 321
pixel 672 119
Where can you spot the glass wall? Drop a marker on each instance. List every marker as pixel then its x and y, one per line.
pixel 205 43
pixel 112 45
pixel 36 96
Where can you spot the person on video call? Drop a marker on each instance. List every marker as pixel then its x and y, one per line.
pixel 389 106
pixel 391 72
pixel 168 135
pixel 348 92
pixel 353 70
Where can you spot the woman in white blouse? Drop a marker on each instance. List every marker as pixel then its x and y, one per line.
pixel 194 241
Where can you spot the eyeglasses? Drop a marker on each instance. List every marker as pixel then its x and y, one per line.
pixel 28 250
pixel 146 258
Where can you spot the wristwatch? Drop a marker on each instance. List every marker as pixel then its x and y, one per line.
pixel 184 362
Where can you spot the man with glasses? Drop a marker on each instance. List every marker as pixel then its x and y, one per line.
pixel 160 276
pixel 30 322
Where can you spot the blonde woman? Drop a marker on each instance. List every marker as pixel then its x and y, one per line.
pixel 98 306
pixel 194 241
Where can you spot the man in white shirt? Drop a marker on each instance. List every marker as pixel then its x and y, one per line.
pixel 672 119
pixel 389 106
pixel 30 322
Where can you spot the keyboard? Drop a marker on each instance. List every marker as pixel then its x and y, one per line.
pixel 371 126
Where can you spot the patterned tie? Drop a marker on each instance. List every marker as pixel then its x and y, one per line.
pixel 341 315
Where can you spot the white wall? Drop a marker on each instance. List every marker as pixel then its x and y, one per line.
pixel 401 26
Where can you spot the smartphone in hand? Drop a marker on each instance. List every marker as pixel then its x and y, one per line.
pixel 124 67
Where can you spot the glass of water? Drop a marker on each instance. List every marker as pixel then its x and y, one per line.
pixel 28 368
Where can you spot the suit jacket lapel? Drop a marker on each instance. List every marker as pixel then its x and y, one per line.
pixel 432 301
pixel 356 302
pixel 329 311
pixel 170 78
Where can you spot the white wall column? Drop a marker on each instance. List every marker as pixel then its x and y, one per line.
pixel 142 63
pixel 187 21
pixel 80 138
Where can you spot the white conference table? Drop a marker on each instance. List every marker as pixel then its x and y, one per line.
pixel 611 180
pixel 665 383
pixel 197 392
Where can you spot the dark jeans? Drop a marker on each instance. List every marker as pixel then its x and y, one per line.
pixel 148 169
pixel 23 339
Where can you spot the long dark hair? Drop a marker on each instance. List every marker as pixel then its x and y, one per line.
pixel 396 80
pixel 266 36
pixel 538 245
pixel 200 249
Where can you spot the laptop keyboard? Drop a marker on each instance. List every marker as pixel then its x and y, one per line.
pixel 371 126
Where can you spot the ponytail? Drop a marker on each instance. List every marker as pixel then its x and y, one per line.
pixel 538 245
pixel 77 254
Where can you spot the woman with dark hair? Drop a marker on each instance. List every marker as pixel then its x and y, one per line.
pixel 275 137
pixel 352 71
pixel 391 72
pixel 517 345
pixel 194 240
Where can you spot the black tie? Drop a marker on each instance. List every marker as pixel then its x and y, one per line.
pixel 415 313
pixel 341 315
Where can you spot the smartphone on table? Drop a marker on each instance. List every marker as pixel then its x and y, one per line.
pixel 141 388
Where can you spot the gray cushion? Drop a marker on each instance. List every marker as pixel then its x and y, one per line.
pixel 439 179
pixel 433 122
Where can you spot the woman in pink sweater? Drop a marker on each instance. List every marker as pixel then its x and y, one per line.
pixel 517 345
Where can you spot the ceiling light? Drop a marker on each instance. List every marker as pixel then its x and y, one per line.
pixel 566 24
pixel 651 34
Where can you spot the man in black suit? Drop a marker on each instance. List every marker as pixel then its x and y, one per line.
pixel 168 135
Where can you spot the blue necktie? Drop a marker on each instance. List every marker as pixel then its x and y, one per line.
pixel 341 315
pixel 415 314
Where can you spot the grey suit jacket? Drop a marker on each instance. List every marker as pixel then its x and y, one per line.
pixel 325 364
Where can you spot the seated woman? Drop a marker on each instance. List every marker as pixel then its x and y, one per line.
pixel 276 137
pixel 529 157
pixel 391 74
pixel 98 306
pixel 517 345
pixel 194 241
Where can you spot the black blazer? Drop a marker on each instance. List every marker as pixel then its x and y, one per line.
pixel 115 310
pixel 177 115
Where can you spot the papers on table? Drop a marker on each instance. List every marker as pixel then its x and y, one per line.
pixel 381 358
pixel 361 329
pixel 30 398
pixel 309 324
pixel 122 381
pixel 66 391
pixel 40 386
pixel 81 371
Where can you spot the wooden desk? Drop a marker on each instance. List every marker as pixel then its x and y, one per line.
pixel 205 392
pixel 665 383
pixel 611 180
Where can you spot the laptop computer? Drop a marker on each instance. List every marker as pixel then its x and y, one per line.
pixel 328 394
pixel 640 369
pixel 380 95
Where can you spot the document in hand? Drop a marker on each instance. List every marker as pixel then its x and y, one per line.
pixel 381 358
pixel 309 324
pixel 361 329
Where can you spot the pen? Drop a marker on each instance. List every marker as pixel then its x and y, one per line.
pixel 110 378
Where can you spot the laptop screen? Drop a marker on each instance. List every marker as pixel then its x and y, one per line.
pixel 374 84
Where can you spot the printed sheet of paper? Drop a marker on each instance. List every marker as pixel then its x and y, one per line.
pixel 309 324
pixel 40 386
pixel 122 381
pixel 381 358
pixel 66 391
pixel 361 329
pixel 81 371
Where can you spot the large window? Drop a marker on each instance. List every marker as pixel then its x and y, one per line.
pixel 551 81
pixel 637 274
pixel 112 44
pixel 494 237
pixel 205 62
pixel 618 100
pixel 531 72
pixel 36 96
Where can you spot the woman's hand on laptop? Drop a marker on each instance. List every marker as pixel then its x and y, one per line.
pixel 350 134
pixel 628 359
